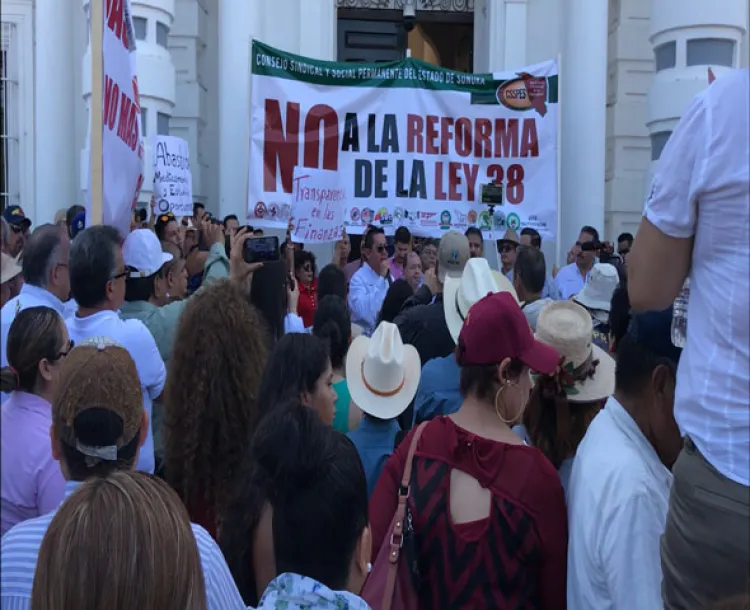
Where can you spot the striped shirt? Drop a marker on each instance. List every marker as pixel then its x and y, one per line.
pixel 20 549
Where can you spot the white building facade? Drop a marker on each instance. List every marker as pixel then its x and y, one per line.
pixel 628 70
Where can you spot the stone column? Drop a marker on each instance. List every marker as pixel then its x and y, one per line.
pixel 54 108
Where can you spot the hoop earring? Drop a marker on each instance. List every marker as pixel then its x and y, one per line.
pixel 497 411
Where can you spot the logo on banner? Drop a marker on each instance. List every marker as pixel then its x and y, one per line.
pixel 383 217
pixel 163 206
pixel 367 216
pixel 354 215
pixel 484 221
pixel 445 220
pixel 472 217
pixel 398 215
pixel 513 221
pixel 524 93
pixel 260 210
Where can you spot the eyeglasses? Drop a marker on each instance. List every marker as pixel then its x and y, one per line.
pixel 124 273
pixel 65 352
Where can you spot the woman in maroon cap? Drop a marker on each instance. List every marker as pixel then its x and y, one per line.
pixel 487 512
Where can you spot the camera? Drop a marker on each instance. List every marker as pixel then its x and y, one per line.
pixel 492 194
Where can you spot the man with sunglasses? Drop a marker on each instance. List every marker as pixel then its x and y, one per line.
pixel 572 278
pixel 19 227
pixel 370 284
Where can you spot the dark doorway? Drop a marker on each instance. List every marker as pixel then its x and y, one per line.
pixel 366 40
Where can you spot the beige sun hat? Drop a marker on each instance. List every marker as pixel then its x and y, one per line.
pixel 588 372
pixel 476 282
pixel 382 373
pixel 10 268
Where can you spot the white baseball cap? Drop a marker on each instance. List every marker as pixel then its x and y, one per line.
pixel 142 252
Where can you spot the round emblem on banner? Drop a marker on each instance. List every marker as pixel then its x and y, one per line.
pixel 354 214
pixel 513 221
pixel 367 216
pixel 260 209
pixel 472 217
pixel 398 215
pixel 484 221
pixel 163 206
pixel 500 220
pixel 273 210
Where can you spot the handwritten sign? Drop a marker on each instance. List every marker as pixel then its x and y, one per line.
pixel 173 182
pixel 318 203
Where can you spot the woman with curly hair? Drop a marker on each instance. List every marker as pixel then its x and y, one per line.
pixel 211 407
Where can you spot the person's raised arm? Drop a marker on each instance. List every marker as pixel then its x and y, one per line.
pixel 659 260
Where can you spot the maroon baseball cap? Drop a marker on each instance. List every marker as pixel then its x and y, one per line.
pixel 495 329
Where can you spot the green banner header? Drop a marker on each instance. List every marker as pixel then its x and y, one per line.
pixel 408 74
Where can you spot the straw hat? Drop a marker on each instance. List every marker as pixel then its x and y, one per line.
pixel 10 268
pixel 510 236
pixel 598 291
pixel 588 372
pixel 459 294
pixel 382 373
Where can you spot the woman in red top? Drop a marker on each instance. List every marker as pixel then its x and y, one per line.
pixel 304 273
pixel 489 526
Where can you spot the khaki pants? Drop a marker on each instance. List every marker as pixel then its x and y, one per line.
pixel 705 549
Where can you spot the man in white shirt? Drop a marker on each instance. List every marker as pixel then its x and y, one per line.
pixel 618 493
pixel 45 275
pixel 370 283
pixel 572 278
pixel 97 280
pixel 696 221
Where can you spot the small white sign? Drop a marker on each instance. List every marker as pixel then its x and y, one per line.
pixel 318 203
pixel 173 182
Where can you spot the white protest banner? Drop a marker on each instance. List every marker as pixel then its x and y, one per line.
pixel 173 182
pixel 412 144
pixel 317 206
pixel 121 146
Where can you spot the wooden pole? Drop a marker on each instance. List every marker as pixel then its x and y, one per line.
pixel 97 122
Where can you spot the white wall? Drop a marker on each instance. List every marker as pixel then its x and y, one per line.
pixel 629 74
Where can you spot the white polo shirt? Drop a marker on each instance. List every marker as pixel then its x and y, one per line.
pixel 618 498
pixel 134 337
pixel 570 282
pixel 702 190
pixel 367 292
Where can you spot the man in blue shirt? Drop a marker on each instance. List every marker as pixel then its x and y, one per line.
pixel 572 278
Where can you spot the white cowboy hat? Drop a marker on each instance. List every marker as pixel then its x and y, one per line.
pixel 567 327
pixel 10 268
pixel 598 291
pixel 476 282
pixel 382 373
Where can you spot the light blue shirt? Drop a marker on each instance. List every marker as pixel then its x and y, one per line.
pixel 438 392
pixel 295 592
pixel 20 550
pixel 570 281
pixel 367 292
pixel 374 440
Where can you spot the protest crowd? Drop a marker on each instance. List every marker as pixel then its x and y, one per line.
pixel 187 427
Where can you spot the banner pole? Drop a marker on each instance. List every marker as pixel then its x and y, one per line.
pixel 560 102
pixel 97 122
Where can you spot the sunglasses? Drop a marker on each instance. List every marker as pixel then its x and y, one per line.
pixel 380 249
pixel 16 229
pixel 623 251
pixel 307 267
pixel 166 217
pixel 507 248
